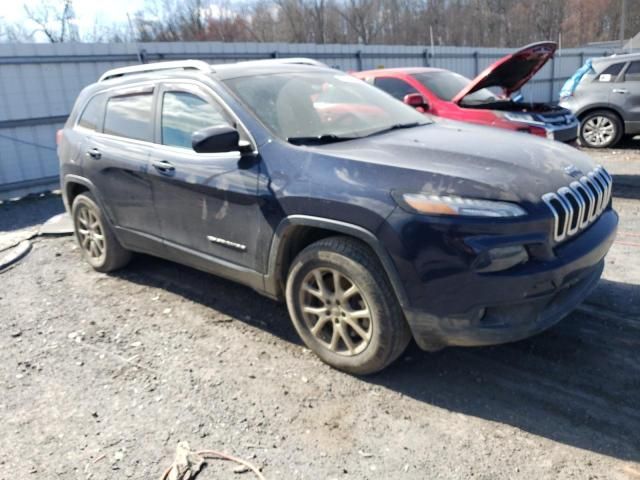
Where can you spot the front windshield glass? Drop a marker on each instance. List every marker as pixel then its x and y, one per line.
pixel 446 85
pixel 328 105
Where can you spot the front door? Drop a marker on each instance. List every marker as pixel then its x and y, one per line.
pixel 207 203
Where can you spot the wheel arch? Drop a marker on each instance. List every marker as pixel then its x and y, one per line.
pixel 606 107
pixel 74 185
pixel 296 232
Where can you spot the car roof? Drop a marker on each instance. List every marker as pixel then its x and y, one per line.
pixel 617 58
pixel 398 71
pixel 248 69
pixel 194 68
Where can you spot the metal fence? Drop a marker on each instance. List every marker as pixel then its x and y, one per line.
pixel 39 83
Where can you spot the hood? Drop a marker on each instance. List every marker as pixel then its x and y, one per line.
pixel 468 160
pixel 513 71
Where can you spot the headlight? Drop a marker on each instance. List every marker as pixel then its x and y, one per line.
pixel 522 117
pixel 451 205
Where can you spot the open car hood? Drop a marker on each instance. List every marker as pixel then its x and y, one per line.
pixel 512 71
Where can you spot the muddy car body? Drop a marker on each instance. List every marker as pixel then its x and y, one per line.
pixel 373 231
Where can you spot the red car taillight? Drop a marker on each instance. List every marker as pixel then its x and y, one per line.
pixel 537 131
pixel 58 137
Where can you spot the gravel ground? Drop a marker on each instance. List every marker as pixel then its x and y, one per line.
pixel 102 375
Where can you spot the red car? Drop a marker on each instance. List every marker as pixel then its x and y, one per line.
pixel 450 95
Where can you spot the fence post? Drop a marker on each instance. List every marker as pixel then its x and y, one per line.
pixel 476 62
pixel 425 55
pixel 359 60
pixel 553 79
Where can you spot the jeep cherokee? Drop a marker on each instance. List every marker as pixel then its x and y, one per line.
pixel 375 223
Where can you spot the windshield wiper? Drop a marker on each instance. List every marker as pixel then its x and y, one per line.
pixel 319 139
pixel 398 126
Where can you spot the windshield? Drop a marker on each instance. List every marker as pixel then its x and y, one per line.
pixel 331 106
pixel 446 85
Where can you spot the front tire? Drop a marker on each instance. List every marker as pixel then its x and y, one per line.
pixel 99 245
pixel 343 307
pixel 600 129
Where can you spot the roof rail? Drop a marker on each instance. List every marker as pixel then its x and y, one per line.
pixel 155 67
pixel 282 61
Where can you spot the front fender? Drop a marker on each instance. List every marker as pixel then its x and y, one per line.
pixel 274 280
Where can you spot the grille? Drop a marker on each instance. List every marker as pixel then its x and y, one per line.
pixel 579 204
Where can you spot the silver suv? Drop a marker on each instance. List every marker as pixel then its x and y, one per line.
pixel 606 99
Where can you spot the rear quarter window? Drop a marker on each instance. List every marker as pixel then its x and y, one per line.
pixel 610 73
pixel 130 116
pixel 93 113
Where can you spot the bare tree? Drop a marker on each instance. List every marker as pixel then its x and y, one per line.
pixel 496 23
pixel 55 19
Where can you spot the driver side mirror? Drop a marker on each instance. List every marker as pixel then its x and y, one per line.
pixel 416 101
pixel 216 139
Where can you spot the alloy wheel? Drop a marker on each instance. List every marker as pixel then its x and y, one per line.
pixel 599 131
pixel 335 311
pixel 90 233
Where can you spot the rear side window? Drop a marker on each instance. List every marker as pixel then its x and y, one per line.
pixel 130 116
pixel 394 86
pixel 91 117
pixel 184 113
pixel 610 73
pixel 633 72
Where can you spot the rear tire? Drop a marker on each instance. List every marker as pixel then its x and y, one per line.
pixel 99 245
pixel 343 307
pixel 600 129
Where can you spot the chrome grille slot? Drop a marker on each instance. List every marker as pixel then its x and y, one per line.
pixel 579 204
pixel 588 198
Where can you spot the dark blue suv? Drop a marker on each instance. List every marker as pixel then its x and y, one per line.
pixel 375 223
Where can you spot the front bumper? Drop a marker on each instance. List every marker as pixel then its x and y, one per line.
pixel 564 132
pixel 486 309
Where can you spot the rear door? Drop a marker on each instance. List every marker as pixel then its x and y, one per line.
pixel 117 162
pixel 206 202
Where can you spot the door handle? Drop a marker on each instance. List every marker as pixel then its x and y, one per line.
pixel 620 90
pixel 163 166
pixel 94 153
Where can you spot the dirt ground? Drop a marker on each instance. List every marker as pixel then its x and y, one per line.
pixel 102 375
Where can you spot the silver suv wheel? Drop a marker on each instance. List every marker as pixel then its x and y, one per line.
pixel 335 311
pixel 600 129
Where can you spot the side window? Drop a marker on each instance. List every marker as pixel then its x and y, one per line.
pixel 184 113
pixel 395 87
pixel 130 116
pixel 633 72
pixel 92 114
pixel 610 73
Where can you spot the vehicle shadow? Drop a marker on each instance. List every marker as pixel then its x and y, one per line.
pixel 227 297
pixel 578 383
pixel 626 186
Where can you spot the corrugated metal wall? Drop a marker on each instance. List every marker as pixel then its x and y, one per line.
pixel 39 83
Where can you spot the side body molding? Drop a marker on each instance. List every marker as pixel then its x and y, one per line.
pixel 274 282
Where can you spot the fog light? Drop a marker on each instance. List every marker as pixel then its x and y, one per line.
pixel 501 258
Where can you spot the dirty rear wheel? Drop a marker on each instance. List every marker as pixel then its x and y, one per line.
pixel 100 248
pixel 344 308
